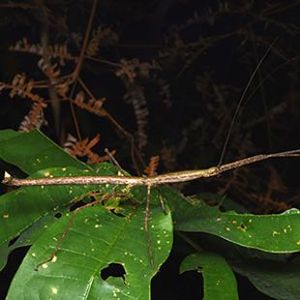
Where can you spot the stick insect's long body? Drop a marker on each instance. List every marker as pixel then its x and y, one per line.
pixel 173 177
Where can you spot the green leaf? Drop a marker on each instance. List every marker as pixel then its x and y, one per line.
pixel 4 251
pixel 221 201
pixel 88 241
pixel 26 238
pixel 34 151
pixel 19 209
pixel 219 280
pixel 29 236
pixel 23 210
pixel 279 280
pixel 271 233
pixel 29 212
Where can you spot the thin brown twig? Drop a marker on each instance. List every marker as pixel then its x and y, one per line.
pixel 19 5
pixel 103 61
pixel 53 97
pixel 85 41
pixel 73 113
pixel 79 64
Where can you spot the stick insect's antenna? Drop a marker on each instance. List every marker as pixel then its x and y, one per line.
pixel 241 101
pixel 113 159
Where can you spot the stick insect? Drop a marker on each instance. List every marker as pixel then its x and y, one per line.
pixel 167 178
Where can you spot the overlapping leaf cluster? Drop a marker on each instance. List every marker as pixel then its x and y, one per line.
pixel 71 248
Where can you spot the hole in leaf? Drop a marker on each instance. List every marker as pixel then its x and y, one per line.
pixel 58 215
pixel 113 270
pixel 243 226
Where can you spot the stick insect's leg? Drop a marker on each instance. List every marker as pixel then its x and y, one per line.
pixel 53 255
pixel 146 225
pixel 164 208
pixel 147 210
pixel 113 160
pixel 62 238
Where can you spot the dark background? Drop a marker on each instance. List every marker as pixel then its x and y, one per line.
pixel 200 57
